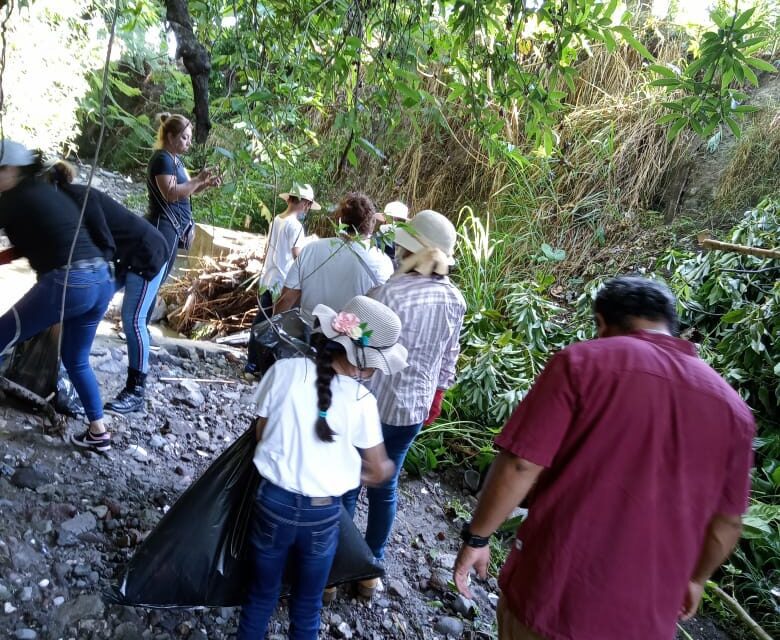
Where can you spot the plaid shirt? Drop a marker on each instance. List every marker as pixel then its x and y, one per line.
pixel 431 311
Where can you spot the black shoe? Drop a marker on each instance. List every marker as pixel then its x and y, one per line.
pixel 89 440
pixel 127 402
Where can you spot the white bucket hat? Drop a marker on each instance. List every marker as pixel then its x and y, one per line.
pixel 15 154
pixel 397 210
pixel 302 191
pixel 368 331
pixel 428 229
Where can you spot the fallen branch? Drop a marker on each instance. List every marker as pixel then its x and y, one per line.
pixel 706 242
pixel 738 611
pixel 214 380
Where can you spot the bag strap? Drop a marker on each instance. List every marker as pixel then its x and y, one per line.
pixel 368 270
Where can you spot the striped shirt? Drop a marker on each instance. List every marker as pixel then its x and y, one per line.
pixel 431 311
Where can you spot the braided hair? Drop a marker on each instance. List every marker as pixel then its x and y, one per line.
pixel 325 372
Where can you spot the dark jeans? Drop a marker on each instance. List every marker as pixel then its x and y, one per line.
pixel 88 293
pixel 287 524
pixel 383 500
pixel 264 313
pixel 138 299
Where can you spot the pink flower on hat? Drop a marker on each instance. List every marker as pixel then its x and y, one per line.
pixel 347 324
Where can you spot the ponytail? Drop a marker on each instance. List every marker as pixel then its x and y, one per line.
pixel 325 373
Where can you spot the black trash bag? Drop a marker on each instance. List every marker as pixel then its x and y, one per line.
pixel 197 555
pixel 66 401
pixel 284 335
pixel 34 364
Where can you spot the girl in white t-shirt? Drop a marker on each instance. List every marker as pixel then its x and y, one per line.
pixel 319 436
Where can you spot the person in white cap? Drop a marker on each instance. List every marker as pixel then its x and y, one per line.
pixel 385 237
pixel 431 310
pixel 313 446
pixel 332 271
pixel 286 238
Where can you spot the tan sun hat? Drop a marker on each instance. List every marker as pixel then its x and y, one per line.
pixel 368 331
pixel 397 209
pixel 302 191
pixel 428 229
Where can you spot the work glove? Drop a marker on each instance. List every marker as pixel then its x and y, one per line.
pixel 435 410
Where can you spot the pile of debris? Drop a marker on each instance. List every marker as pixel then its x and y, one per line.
pixel 217 298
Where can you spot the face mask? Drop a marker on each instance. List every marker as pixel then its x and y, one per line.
pixel 301 215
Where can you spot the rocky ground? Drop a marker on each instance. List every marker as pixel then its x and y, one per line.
pixel 71 520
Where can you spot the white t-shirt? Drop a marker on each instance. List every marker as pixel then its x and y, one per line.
pixel 286 234
pixel 290 455
pixel 331 271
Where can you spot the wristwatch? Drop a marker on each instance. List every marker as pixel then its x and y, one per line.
pixel 471 539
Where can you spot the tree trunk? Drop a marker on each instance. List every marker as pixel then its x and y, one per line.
pixel 196 60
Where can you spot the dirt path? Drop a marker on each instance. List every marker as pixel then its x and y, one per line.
pixel 70 520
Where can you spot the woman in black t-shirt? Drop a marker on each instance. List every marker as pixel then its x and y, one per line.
pixel 44 227
pixel 170 186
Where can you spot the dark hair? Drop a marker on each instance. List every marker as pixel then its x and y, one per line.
pixel 293 199
pixel 358 212
pixel 626 297
pixel 325 372
pixel 169 125
pixel 35 168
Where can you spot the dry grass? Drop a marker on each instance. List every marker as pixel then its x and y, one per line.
pixel 614 162
pixel 754 170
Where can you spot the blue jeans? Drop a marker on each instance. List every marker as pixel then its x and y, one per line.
pixel 289 524
pixel 139 295
pixel 383 500
pixel 88 293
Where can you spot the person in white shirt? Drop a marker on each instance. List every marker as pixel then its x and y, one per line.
pixel 331 271
pixel 314 445
pixel 397 212
pixel 286 238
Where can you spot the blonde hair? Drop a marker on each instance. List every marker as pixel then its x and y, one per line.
pixel 170 124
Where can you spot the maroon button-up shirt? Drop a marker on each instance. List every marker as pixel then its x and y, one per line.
pixel 643 444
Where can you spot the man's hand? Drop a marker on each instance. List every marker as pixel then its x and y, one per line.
pixel 691 600
pixel 468 558
pixel 435 410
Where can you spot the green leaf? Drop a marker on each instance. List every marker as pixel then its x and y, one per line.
pixel 733 125
pixel 666 82
pixel 631 39
pixel 676 128
pixel 661 70
pixel 741 21
pixel 761 65
pixel 735 315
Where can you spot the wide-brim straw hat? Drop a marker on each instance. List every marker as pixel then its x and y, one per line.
pixel 428 229
pixel 15 154
pixel 368 331
pixel 397 210
pixel 304 192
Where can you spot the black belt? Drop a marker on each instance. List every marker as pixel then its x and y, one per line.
pixel 83 264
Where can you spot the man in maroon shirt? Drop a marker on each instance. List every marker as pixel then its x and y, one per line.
pixel 639 457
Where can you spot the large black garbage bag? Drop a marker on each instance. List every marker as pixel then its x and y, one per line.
pixel 284 335
pixel 34 364
pixel 197 554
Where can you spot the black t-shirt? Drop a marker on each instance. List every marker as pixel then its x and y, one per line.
pixel 140 247
pixel 179 213
pixel 41 224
